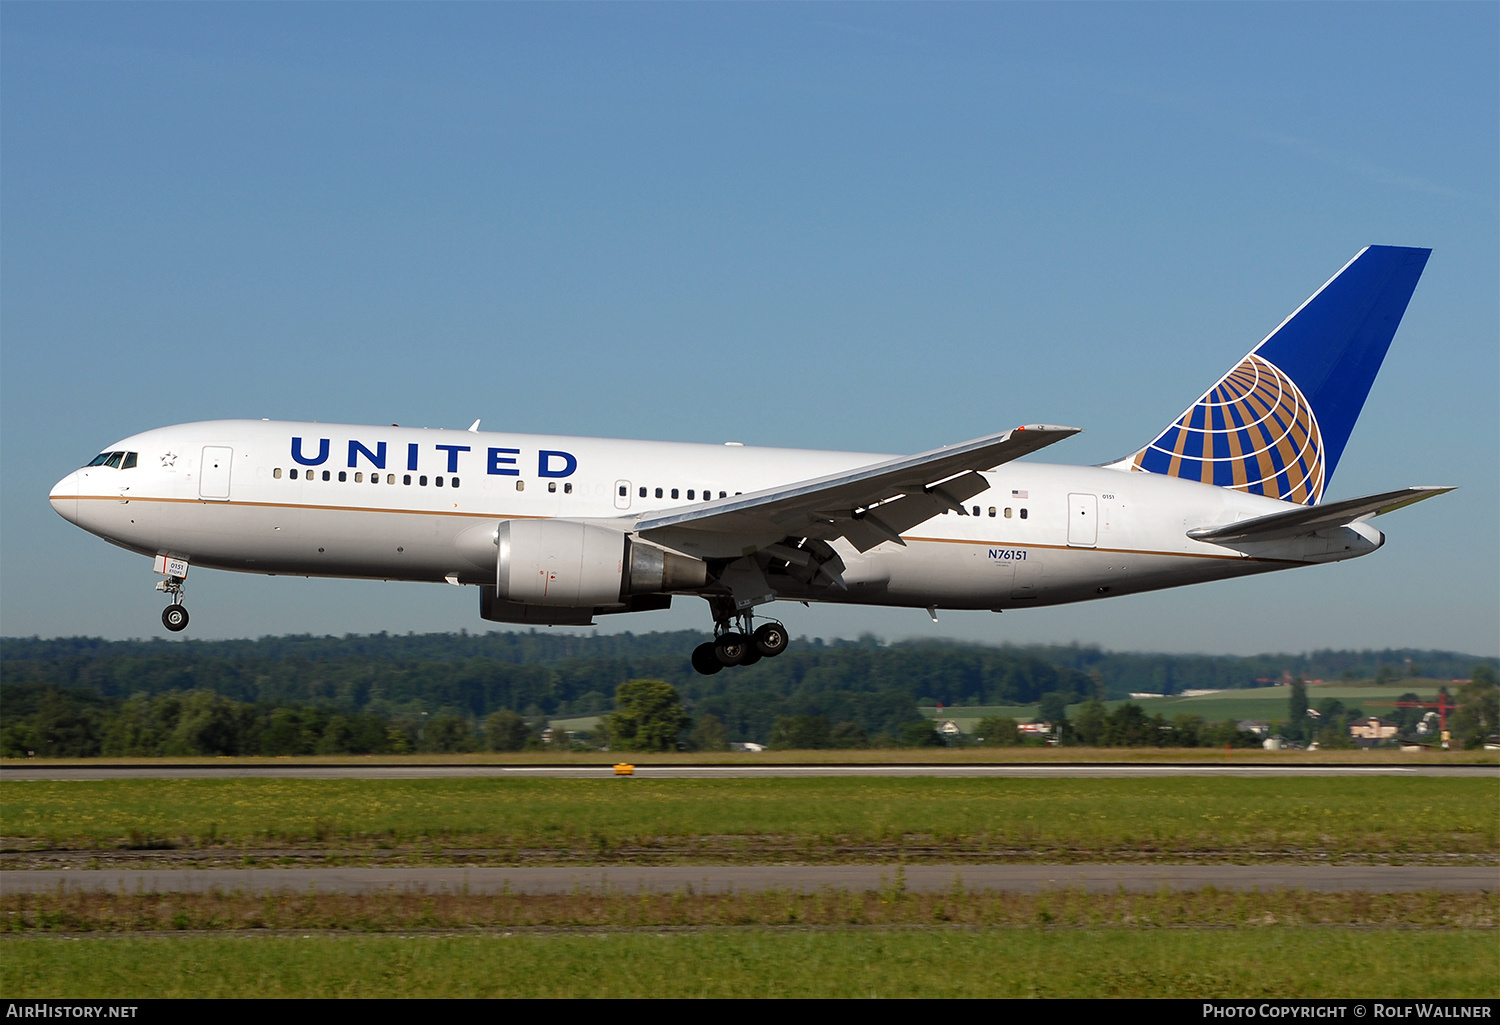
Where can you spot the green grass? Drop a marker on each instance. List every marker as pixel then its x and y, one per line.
pixel 876 756
pixel 1020 713
pixel 578 724
pixel 1279 963
pixel 1272 702
pixel 754 819
pixel 891 905
pixel 1268 703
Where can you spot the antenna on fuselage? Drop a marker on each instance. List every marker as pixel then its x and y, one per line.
pixel 474 427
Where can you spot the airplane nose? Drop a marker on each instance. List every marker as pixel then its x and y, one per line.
pixel 64 497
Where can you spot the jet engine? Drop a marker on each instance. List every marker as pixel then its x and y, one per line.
pixel 579 565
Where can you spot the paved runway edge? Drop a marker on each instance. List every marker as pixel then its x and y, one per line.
pixel 791 878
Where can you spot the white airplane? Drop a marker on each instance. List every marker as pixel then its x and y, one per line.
pixel 558 530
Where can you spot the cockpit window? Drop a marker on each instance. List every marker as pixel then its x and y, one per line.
pixel 117 460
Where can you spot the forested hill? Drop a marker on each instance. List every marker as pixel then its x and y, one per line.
pixel 563 674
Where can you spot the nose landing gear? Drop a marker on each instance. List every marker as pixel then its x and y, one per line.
pixel 175 616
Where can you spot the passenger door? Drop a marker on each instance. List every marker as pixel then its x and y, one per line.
pixel 1083 521
pixel 213 476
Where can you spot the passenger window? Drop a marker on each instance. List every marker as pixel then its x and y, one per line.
pixel 623 490
pixel 327 475
pixel 674 492
pixel 390 478
pixel 406 478
pixel 643 492
pixel 723 495
pixel 690 494
pixel 437 481
pixel 129 463
pixel 1023 514
pixel 455 482
pixel 520 485
pixel 658 492
pixel 343 476
pixel 422 481
pixel 359 476
pixel 567 489
pixel 1007 512
pixel 294 473
pixel 552 486
pixel 992 512
pixel 277 473
pixel 976 510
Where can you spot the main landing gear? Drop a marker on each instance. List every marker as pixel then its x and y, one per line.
pixel 175 616
pixel 735 644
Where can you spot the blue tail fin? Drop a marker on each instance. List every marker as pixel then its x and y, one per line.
pixel 1277 423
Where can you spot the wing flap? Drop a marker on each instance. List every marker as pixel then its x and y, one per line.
pixel 1308 519
pixel 866 504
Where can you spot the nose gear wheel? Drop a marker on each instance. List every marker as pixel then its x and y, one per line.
pixel 175 616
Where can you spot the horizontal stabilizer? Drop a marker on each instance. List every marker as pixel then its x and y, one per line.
pixel 1308 519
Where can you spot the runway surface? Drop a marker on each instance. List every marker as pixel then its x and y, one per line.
pixel 783 770
pixel 751 878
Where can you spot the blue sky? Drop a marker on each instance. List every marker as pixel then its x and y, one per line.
pixel 871 227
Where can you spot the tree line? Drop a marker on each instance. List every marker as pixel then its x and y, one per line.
pixel 442 692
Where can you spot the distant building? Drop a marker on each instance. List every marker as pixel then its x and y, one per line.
pixel 747 746
pixel 1144 696
pixel 1259 727
pixel 1372 731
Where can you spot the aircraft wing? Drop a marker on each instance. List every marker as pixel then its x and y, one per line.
pixel 867 505
pixel 1307 519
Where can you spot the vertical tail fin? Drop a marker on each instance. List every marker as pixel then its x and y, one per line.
pixel 1277 423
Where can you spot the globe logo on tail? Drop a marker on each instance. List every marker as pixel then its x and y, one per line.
pixel 1254 431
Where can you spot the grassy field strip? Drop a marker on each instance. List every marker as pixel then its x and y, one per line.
pixel 1284 962
pixel 1269 703
pixel 888 756
pixel 806 819
pixel 888 905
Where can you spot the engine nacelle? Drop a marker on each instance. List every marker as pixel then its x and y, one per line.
pixel 562 563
